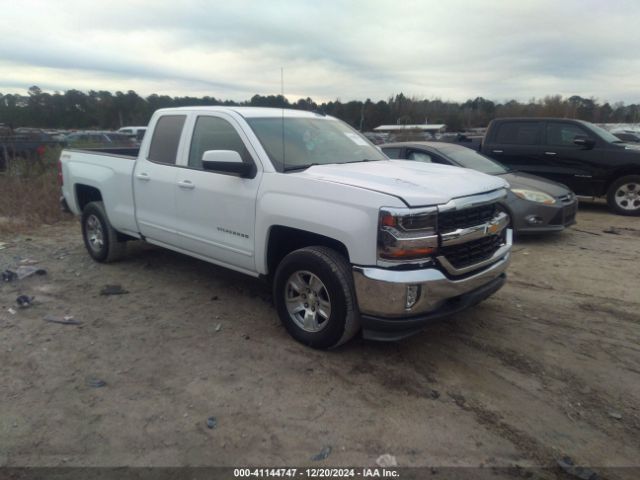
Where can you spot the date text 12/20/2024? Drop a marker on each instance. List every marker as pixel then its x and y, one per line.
pixel 315 473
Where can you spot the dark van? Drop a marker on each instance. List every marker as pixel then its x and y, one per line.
pixel 588 159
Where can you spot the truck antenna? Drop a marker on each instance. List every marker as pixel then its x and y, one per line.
pixel 282 94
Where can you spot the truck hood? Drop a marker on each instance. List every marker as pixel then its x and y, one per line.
pixel 417 184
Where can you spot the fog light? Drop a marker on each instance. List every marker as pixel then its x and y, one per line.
pixel 413 295
pixel 534 219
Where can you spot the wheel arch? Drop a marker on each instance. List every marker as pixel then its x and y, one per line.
pixel 86 194
pixel 283 240
pixel 617 174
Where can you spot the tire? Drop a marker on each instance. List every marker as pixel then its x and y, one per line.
pixel 100 238
pixel 325 277
pixel 623 196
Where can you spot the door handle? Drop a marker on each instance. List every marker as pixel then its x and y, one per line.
pixel 497 151
pixel 550 153
pixel 186 184
pixel 143 176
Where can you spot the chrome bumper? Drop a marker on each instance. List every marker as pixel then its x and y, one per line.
pixel 383 293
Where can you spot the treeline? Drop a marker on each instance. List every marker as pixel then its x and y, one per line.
pixel 74 109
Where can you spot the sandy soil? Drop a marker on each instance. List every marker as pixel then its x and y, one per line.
pixel 549 366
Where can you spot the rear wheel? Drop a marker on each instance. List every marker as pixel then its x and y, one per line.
pixel 313 293
pixel 623 196
pixel 100 238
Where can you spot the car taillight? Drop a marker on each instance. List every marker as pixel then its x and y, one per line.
pixel 40 150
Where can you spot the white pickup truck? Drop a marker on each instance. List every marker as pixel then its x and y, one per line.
pixel 350 240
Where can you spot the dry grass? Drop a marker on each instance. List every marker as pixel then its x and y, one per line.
pixel 29 200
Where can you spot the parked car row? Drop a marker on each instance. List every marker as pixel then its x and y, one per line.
pixel 533 204
pixel 589 160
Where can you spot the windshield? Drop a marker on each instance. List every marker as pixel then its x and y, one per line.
pixel 467 158
pixel 606 135
pixel 311 141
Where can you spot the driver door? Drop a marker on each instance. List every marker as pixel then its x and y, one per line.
pixel 216 211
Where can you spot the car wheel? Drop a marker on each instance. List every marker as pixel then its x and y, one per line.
pixel 623 196
pixel 100 238
pixel 313 293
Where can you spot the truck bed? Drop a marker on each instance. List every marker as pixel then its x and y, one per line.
pixel 109 173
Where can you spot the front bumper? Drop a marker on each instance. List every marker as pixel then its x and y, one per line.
pixel 382 295
pixel 552 218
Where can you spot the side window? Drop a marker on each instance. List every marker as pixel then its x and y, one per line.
pixel 420 157
pixel 166 138
pixel 213 133
pixel 392 152
pixel 562 134
pixel 519 133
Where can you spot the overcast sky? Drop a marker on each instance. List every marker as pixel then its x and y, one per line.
pixel 329 49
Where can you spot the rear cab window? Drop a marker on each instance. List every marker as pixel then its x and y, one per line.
pixel 166 139
pixel 518 133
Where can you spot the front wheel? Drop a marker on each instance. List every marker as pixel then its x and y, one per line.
pixel 313 293
pixel 623 196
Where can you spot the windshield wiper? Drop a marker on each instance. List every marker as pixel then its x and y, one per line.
pixel 299 167
pixel 363 160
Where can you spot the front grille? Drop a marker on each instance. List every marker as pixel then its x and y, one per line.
pixel 568 198
pixel 475 251
pixel 467 217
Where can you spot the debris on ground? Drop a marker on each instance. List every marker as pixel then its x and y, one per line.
pixel 113 290
pixel 9 276
pixel 324 453
pixel 21 273
pixel 214 298
pixel 212 422
pixel 582 473
pixel 96 382
pixel 66 320
pixel 12 311
pixel 24 271
pixel 612 231
pixel 24 301
pixel 28 261
pixel 387 460
pixel 3 245
pixel 218 327
pixel 616 415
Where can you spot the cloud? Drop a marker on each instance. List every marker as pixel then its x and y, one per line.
pixel 330 49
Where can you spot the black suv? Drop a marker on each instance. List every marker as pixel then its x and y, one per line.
pixel 588 159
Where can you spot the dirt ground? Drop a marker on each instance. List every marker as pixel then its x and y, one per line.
pixel 548 367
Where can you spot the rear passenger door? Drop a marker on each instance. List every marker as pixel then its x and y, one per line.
pixel 518 145
pixel 154 182
pixel 567 162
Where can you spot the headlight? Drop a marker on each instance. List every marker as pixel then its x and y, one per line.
pixel 534 196
pixel 406 235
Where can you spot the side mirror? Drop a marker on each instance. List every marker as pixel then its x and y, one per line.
pixel 583 141
pixel 225 161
